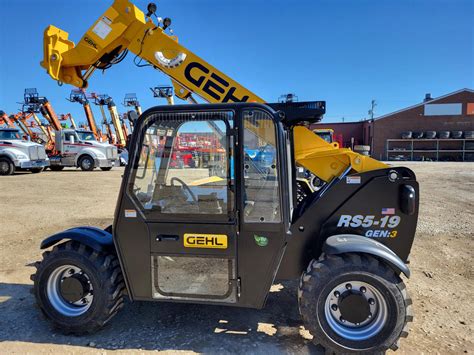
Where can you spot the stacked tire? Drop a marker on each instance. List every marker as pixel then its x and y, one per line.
pixel 362 149
pixel 468 134
pixel 444 134
pixel 430 134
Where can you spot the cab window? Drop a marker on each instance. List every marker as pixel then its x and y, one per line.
pixel 261 194
pixel 183 165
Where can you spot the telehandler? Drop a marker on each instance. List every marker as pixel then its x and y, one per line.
pixel 185 235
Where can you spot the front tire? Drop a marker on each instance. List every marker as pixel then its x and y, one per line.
pixel 354 303
pixel 6 166
pixel 78 288
pixel 86 163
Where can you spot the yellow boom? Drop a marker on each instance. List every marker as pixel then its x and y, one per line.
pixel 123 27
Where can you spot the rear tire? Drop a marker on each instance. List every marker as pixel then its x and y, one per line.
pixel 354 303
pixel 78 288
pixel 37 170
pixel 56 168
pixel 106 168
pixel 86 163
pixel 6 166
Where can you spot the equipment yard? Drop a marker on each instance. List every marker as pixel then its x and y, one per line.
pixel 442 282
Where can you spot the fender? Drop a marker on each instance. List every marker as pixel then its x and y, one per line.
pixel 11 152
pixel 91 151
pixel 353 243
pixel 95 238
pixel 8 154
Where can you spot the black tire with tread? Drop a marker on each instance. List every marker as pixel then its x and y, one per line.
pixel 104 272
pixel 56 167
pixel 319 278
pixel 36 170
pixel 108 168
pixel 11 167
pixel 82 159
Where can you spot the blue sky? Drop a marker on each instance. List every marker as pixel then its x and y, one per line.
pixel 346 52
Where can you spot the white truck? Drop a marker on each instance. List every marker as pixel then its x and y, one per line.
pixel 79 148
pixel 18 154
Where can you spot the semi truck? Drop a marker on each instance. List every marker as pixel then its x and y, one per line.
pixel 80 148
pixel 18 154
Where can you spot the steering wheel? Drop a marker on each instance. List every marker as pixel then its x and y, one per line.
pixel 183 184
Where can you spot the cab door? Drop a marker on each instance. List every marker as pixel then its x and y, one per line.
pixel 71 146
pixel 183 193
pixel 263 202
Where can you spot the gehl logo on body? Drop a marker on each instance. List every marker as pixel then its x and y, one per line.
pixel 209 241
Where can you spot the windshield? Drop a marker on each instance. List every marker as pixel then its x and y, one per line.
pixel 9 135
pixel 86 136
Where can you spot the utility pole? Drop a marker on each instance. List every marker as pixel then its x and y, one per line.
pixel 372 125
pixel 372 109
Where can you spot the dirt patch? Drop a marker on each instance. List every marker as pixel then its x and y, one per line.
pixel 35 206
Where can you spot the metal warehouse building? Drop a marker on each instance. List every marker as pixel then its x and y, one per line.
pixel 438 129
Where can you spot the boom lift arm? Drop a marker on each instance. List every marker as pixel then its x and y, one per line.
pixel 81 97
pixel 5 120
pixel 123 27
pixel 21 120
pixel 101 101
pixel 131 100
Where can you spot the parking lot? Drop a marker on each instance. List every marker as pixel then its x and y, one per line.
pixel 35 206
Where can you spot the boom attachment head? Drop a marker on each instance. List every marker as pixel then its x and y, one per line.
pixel 78 95
pixel 131 100
pixel 162 91
pixel 165 92
pixel 32 101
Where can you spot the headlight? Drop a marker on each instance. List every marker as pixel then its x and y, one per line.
pixel 21 156
pixel 100 155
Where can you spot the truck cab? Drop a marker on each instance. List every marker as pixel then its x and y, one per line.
pixel 79 148
pixel 16 153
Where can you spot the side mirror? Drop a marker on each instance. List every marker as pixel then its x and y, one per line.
pixel 132 116
pixel 71 139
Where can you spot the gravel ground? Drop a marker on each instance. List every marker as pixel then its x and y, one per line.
pixel 35 206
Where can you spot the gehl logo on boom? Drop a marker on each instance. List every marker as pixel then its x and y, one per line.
pixel 91 42
pixel 214 85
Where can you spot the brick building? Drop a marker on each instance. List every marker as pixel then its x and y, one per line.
pixel 451 112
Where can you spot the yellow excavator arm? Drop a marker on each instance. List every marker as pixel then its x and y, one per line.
pixel 123 27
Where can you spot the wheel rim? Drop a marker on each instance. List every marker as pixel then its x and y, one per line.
pixel 86 164
pixel 65 303
pixel 355 324
pixel 4 167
